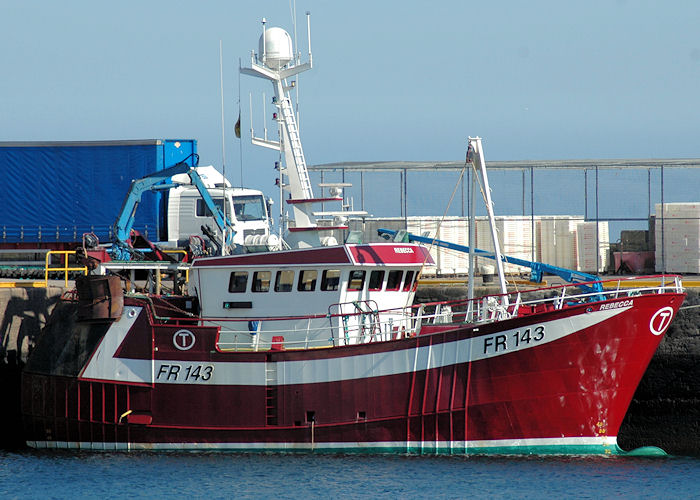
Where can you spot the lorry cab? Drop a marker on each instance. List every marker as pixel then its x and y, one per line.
pixel 245 208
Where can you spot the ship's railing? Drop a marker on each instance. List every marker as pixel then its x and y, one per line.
pixel 37 266
pixel 158 270
pixel 320 336
pixel 497 307
pixel 65 267
pixel 365 324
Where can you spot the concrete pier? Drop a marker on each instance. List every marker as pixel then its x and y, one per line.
pixel 665 411
pixel 23 313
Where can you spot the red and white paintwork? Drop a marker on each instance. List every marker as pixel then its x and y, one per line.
pixel 453 388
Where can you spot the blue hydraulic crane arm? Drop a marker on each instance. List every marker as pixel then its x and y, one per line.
pixel 537 269
pixel 224 223
pixel 155 182
pixel 125 219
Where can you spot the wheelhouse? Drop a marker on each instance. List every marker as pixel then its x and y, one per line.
pixel 344 291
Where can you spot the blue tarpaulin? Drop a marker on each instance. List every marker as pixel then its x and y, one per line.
pixel 58 191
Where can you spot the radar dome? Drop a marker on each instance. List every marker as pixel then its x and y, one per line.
pixel 277 48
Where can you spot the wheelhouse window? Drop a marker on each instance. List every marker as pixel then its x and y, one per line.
pixel 307 280
pixel 330 280
pixel 393 281
pixel 284 281
pixel 408 281
pixel 261 281
pixel 238 281
pixel 376 280
pixel 357 280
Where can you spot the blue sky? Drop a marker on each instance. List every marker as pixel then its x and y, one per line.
pixel 392 80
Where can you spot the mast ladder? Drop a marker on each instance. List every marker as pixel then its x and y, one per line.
pixel 295 144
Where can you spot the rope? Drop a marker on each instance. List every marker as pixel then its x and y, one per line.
pixel 444 215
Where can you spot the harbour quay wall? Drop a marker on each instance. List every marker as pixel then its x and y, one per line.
pixel 23 313
pixel 664 412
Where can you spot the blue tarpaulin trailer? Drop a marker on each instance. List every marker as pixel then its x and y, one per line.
pixel 54 192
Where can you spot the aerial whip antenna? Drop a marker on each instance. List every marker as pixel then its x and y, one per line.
pixel 238 123
pixel 297 55
pixel 223 140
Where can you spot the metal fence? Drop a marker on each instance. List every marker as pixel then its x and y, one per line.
pixel 624 193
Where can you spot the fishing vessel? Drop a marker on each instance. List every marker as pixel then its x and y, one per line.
pixel 320 346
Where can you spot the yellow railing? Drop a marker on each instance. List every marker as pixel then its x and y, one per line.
pixel 184 253
pixel 63 269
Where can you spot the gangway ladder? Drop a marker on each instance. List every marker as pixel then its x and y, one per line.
pixel 290 124
pixel 271 392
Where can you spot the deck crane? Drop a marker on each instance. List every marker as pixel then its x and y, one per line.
pixel 537 269
pixel 157 181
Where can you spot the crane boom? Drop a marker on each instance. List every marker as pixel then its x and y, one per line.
pixel 537 269
pixel 157 182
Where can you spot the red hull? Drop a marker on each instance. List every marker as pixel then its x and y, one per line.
pixel 569 394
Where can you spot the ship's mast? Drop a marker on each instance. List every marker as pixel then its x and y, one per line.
pixel 476 155
pixel 276 62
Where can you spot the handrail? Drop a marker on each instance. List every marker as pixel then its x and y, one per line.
pixel 402 322
pixel 65 267
pixel 184 252
pixel 175 250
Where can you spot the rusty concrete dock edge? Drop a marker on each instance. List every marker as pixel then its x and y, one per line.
pixel 23 313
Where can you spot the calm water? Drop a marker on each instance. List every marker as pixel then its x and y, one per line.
pixel 139 475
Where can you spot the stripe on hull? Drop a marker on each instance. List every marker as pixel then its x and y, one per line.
pixel 103 361
pixel 605 445
pixel 329 369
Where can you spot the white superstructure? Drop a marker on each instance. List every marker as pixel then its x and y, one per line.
pixel 277 63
